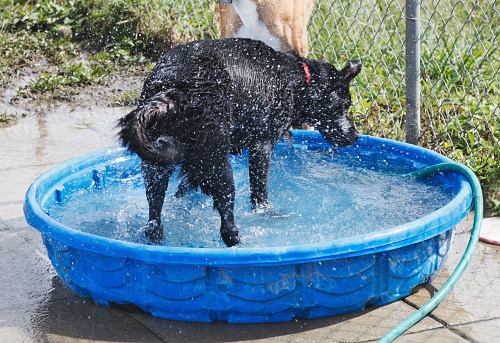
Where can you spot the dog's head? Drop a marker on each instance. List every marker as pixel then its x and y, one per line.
pixel 149 129
pixel 328 103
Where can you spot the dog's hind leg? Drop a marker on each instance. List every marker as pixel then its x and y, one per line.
pixel 259 162
pixel 219 184
pixel 156 178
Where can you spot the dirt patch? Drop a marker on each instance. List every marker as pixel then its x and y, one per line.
pixel 117 90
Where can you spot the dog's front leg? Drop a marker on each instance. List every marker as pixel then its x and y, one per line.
pixel 156 178
pixel 259 162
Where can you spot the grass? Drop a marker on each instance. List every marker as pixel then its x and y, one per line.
pixel 54 33
pixel 128 98
pixel 461 90
pixel 7 119
pixel 459 48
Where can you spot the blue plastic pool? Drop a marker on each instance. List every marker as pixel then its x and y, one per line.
pixel 249 284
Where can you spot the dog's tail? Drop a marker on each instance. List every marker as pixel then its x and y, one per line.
pixel 134 127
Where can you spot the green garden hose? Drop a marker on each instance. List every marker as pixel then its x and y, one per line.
pixel 457 273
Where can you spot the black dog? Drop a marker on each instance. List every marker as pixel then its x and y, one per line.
pixel 205 100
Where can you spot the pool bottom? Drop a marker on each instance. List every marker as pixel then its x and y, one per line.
pixel 251 294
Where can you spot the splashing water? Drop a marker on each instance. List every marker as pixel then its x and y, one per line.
pixel 315 195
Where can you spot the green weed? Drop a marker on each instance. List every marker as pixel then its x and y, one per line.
pixel 7 119
pixel 128 98
pixel 22 48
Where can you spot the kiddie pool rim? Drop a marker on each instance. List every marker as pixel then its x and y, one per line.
pixel 419 230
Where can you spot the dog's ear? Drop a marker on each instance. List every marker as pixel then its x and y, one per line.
pixel 350 71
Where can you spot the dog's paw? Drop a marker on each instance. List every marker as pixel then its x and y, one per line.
pixel 230 237
pixel 154 231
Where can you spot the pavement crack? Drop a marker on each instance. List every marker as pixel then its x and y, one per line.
pixel 442 322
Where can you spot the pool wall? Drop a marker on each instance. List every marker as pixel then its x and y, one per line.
pixel 251 294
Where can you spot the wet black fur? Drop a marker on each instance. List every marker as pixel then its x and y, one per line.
pixel 205 100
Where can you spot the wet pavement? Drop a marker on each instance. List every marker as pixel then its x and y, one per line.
pixel 36 307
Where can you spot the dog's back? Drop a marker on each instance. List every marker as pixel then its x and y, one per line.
pixel 282 24
pixel 240 66
pixel 244 83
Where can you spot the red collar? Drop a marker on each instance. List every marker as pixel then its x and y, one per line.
pixel 308 73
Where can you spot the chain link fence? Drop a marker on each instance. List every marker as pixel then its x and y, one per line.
pixel 459 65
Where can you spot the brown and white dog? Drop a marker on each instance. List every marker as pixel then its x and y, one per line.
pixel 281 24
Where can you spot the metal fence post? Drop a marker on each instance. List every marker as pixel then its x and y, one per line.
pixel 412 71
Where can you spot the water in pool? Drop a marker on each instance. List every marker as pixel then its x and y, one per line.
pixel 316 195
